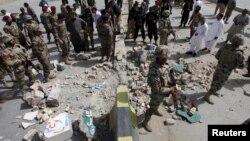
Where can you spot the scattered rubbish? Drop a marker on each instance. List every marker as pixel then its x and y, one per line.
pixel 30 115
pixel 27 124
pixel 57 125
pixel 53 94
pixel 191 118
pixel 87 118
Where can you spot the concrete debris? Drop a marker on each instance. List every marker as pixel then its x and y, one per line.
pixel 67 108
pixel 29 135
pixel 246 89
pixel 169 121
pixel 175 117
pixel 27 124
pixel 45 117
pixel 92 76
pixel 53 95
pixel 30 115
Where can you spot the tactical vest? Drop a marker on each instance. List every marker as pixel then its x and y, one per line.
pixel 228 57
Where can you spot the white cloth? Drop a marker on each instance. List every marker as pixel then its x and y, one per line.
pixel 196 41
pixel 97 15
pixel 215 30
pixel 7 14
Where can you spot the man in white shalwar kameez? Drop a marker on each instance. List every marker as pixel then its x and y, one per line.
pixel 213 33
pixel 198 37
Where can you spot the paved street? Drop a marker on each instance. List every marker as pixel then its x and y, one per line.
pixel 232 108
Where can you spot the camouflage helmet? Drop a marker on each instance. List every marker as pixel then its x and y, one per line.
pixel 28 17
pixel 161 51
pixel 237 39
pixel 165 13
pixel 6 39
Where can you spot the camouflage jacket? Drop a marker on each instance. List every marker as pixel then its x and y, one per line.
pixel 230 57
pixel 158 77
pixel 46 20
pixel 15 56
pixel 12 30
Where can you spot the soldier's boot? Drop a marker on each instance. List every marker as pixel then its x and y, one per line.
pixel 208 99
pixel 5 84
pixel 158 113
pixel 66 60
pixel 145 124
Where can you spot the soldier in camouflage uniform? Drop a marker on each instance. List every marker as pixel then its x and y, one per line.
pixel 63 38
pixel 40 50
pixel 12 29
pixel 17 56
pixel 29 24
pixel 46 20
pixel 53 23
pixel 158 81
pixel 229 57
pixel 106 35
pixel 165 28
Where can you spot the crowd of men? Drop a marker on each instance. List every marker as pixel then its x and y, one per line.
pixel 75 25
pixel 72 25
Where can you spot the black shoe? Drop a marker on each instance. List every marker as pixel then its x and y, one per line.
pixel 189 52
pixel 194 54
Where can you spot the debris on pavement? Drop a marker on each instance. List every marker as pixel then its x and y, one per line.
pixel 57 125
pixel 30 115
pixel 27 124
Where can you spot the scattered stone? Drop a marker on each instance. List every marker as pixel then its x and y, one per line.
pixel 60 67
pixel 175 117
pixel 230 109
pixel 171 109
pixel 27 124
pixel 67 108
pixel 29 135
pixel 92 76
pixel 45 117
pixel 119 57
pixel 246 89
pixel 30 115
pixel 169 121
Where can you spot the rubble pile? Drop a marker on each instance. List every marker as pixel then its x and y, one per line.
pixel 195 75
pixel 91 89
pixel 139 90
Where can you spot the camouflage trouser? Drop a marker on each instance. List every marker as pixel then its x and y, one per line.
pixel 164 37
pixel 220 76
pixel 106 47
pixel 64 46
pixel 156 100
pixel 43 57
pixel 89 34
pixel 19 72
